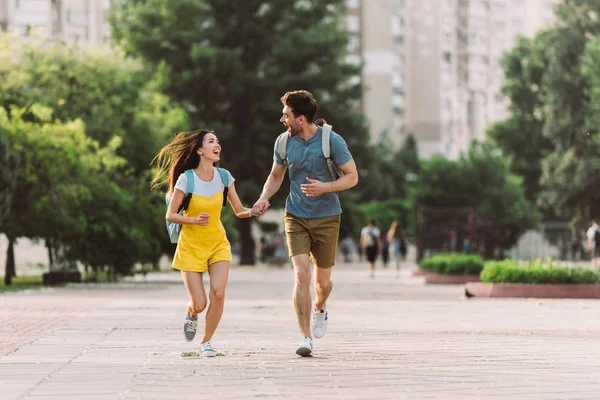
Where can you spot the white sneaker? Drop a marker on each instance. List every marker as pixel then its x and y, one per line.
pixel 319 323
pixel 207 350
pixel 305 347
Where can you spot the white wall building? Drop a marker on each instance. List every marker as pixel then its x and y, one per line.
pixel 71 21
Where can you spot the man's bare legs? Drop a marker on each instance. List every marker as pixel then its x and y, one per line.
pixel 301 297
pixel 323 286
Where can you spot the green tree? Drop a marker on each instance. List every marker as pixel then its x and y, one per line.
pixel 522 135
pixel 57 165
pixel 121 109
pixel 228 64
pixel 481 180
pixel 9 161
pixel 570 174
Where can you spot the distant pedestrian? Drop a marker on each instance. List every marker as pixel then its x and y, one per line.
pixel 385 250
pixel 371 244
pixel 593 242
pixel 398 244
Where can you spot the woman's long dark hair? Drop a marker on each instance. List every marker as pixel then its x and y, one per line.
pixel 396 228
pixel 177 157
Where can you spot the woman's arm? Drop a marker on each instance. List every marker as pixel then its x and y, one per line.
pixel 236 204
pixel 174 217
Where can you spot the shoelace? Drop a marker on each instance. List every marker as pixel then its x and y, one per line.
pixel 191 325
pixel 319 317
pixel 207 346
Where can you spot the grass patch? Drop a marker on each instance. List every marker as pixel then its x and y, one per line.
pixel 22 283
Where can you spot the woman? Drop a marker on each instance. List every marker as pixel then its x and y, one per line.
pixel 202 245
pixel 397 242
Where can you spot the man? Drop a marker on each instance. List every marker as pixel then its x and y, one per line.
pixel 371 243
pixel 312 208
pixel 593 244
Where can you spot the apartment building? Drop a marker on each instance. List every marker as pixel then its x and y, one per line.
pixel 70 21
pixel 433 67
pixel 372 40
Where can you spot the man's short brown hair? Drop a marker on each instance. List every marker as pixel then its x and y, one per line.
pixel 302 103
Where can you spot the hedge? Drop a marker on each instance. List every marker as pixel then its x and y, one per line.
pixel 453 264
pixel 536 272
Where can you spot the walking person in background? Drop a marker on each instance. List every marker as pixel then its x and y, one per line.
pixel 398 244
pixel 202 245
pixel 312 209
pixel 593 244
pixel 385 249
pixel 371 244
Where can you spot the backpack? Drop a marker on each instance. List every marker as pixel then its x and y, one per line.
pixel 334 171
pixel 174 229
pixel 370 238
pixel 597 238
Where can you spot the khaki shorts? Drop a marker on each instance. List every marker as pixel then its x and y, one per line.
pixel 316 237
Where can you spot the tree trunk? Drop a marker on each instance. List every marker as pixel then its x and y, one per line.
pixel 50 258
pixel 10 263
pixel 247 245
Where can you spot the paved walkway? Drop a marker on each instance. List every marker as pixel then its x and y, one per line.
pixel 387 339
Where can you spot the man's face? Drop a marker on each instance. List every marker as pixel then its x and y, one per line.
pixel 294 125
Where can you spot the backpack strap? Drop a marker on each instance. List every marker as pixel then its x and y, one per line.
pixel 189 174
pixel 190 181
pixel 225 179
pixel 281 146
pixel 326 141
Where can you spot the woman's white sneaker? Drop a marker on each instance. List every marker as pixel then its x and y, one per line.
pixel 319 323
pixel 305 347
pixel 207 350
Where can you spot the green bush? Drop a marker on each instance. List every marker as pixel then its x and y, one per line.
pixel 536 272
pixel 453 264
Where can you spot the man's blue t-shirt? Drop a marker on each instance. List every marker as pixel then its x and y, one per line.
pixel 306 159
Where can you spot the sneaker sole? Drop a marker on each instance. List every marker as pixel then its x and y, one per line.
pixel 209 354
pixel 303 352
pixel 188 340
pixel 318 335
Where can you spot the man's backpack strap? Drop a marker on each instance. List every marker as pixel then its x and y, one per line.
pixel 325 141
pixel 333 169
pixel 281 146
pixel 225 179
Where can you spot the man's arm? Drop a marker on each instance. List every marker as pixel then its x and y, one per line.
pixel 349 180
pixel 272 185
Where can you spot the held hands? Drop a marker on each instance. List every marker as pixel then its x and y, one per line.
pixel 201 219
pixel 260 207
pixel 313 188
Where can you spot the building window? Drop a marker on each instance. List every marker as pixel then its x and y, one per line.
pixel 353 44
pixel 17 4
pixel 447 57
pixel 448 36
pixel 353 23
pixel 399 39
pixel 352 4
